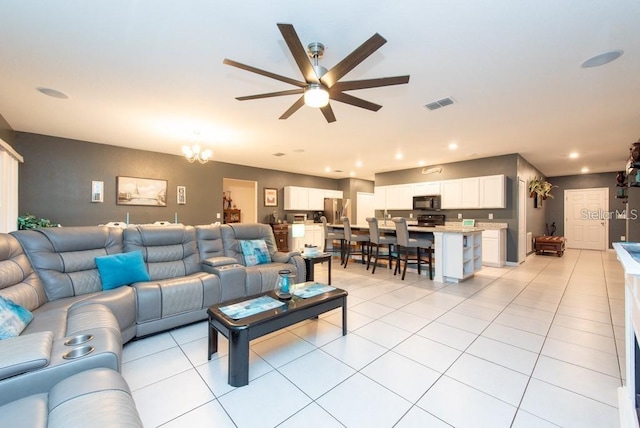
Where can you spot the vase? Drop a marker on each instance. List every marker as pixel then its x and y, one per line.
pixel 620 178
pixel 284 284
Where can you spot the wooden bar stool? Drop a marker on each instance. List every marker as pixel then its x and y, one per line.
pixel 350 237
pixel 375 239
pixel 405 244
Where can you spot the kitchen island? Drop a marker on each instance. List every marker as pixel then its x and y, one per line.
pixel 457 250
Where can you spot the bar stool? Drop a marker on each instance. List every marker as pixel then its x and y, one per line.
pixel 405 243
pixel 375 239
pixel 331 235
pixel 349 238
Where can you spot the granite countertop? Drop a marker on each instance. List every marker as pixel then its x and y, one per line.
pixel 479 224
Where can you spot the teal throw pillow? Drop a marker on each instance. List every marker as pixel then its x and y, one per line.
pixel 13 318
pixel 255 252
pixel 121 269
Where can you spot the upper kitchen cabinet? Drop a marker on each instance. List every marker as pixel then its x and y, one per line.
pixel 474 192
pixel 296 198
pixel 426 189
pixel 492 192
pixel 461 193
pixel 307 198
pixel 394 197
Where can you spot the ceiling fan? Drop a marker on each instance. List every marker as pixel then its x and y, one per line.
pixel 321 85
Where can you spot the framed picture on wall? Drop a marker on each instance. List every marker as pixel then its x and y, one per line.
pixel 182 195
pixel 97 191
pixel 141 191
pixel 270 197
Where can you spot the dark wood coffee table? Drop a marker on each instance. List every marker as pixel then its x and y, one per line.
pixel 240 332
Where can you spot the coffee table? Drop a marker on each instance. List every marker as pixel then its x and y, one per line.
pixel 240 332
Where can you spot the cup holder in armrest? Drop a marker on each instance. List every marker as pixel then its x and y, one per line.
pixel 78 352
pixel 77 340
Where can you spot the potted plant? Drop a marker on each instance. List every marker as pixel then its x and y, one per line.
pixel 29 221
pixel 540 187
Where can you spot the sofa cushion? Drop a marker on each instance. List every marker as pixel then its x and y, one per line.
pixel 121 269
pixel 255 252
pixel 13 318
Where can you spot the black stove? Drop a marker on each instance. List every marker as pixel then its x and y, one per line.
pixel 430 220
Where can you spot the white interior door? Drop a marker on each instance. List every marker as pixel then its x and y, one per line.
pixel 365 207
pixel 522 220
pixel 586 220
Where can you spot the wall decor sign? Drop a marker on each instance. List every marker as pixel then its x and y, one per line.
pixel 182 195
pixel 141 191
pixel 270 197
pixel 97 191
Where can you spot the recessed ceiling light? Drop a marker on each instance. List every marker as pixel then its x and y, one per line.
pixel 453 146
pixel 584 169
pixel 398 156
pixel 421 163
pixel 327 169
pixel 53 93
pixel 359 163
pixel 602 59
pixel 573 155
pixel 352 174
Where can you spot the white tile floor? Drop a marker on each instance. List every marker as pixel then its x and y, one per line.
pixel 537 345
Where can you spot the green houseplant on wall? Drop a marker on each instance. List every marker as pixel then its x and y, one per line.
pixel 29 221
pixel 540 187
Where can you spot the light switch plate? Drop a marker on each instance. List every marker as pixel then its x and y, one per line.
pixel 460 215
pixel 490 216
pixel 218 215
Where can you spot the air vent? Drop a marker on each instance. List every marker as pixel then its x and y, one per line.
pixel 278 154
pixel 337 170
pixel 440 103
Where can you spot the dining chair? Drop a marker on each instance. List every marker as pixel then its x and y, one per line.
pixel 331 235
pixel 377 240
pixel 406 244
pixel 350 238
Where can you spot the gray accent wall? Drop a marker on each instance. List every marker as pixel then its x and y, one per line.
pixel 55 182
pixel 617 227
pixel 511 165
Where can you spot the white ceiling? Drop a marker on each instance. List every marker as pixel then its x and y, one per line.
pixel 147 74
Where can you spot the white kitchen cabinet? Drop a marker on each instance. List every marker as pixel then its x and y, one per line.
pixel 451 194
pixel 313 235
pixel 458 255
pixel 316 199
pixel 470 192
pixel 428 188
pixel 380 197
pixel 492 191
pixel 494 242
pixel 333 194
pixel 296 198
pixel 399 197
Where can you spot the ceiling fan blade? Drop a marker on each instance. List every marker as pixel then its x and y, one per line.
pixel 353 59
pixel 370 83
pixel 327 111
pixel 354 101
pixel 271 94
pixel 264 73
pixel 294 108
pixel 298 52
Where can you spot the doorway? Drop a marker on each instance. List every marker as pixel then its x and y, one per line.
pixel 522 220
pixel 586 218
pixel 244 196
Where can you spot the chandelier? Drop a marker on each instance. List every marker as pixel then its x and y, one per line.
pixel 192 153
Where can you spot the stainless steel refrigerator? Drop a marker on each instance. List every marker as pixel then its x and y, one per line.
pixel 334 209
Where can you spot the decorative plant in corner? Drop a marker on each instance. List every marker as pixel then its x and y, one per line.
pixel 29 221
pixel 542 188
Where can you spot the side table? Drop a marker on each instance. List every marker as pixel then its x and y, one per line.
pixel 310 262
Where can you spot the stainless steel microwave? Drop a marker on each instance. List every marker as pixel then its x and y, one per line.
pixel 426 203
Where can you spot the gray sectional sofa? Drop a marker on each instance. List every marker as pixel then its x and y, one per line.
pixel 52 272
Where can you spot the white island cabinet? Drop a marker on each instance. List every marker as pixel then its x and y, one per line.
pixel 494 243
pixel 458 254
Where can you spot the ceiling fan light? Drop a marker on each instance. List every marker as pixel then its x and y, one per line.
pixel 316 96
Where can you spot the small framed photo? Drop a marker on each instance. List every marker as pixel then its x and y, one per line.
pixel 97 191
pixel 182 195
pixel 270 197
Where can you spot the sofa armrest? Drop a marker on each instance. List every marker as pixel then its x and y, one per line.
pixel 280 257
pixel 25 353
pixel 219 261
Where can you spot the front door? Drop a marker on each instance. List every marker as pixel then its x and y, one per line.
pixel 586 218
